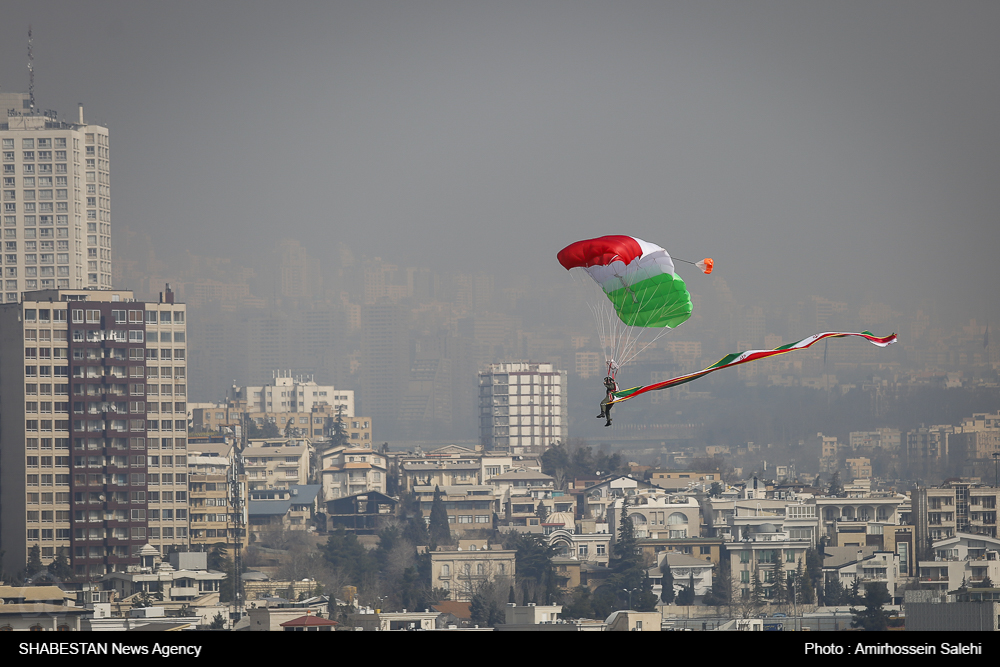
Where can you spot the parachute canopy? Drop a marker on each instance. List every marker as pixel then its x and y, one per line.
pixel 637 277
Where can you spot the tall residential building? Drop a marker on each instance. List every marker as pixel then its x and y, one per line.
pixel 93 440
pixel 56 201
pixel 522 407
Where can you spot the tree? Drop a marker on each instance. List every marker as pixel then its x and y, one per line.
pixel 686 597
pixel 604 601
pixel 716 490
pixel 533 564
pixel 34 564
pixel 580 605
pixel 667 582
pixel 345 554
pixel 440 532
pixel 338 434
pixel 836 487
pixel 803 585
pixel 756 588
pixel 872 617
pixel 59 568
pixel 218 622
pixel 779 591
pixel 814 569
pixel 627 566
pixel 833 593
pixel 415 530
pixel 542 512
pixel 486 609
pixel 218 557
pixel 854 597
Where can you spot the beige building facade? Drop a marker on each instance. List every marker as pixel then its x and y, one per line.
pixel 463 572
pixel 56 200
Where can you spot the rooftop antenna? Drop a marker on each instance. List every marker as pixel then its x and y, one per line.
pixel 31 72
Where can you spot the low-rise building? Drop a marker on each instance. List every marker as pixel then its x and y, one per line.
pixel 768 552
pixel 276 464
pixel 183 580
pixel 866 566
pixel 468 507
pixel 464 572
pixel 347 471
pixel 685 570
pixel 362 514
pixel 656 514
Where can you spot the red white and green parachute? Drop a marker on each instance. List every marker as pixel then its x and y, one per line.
pixel 640 285
pixel 640 298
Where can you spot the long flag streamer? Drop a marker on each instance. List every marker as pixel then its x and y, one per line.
pixel 748 356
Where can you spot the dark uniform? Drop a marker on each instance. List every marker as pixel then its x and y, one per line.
pixel 611 387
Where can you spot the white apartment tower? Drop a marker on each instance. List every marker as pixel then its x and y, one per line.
pixel 93 435
pixel 56 201
pixel 522 407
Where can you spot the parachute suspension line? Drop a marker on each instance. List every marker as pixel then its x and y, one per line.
pixel 634 333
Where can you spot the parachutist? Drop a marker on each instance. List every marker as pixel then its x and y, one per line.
pixel 610 387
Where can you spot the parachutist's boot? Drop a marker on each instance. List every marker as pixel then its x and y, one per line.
pixel 609 423
pixel 601 416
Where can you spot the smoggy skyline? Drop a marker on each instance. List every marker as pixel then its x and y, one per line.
pixel 845 150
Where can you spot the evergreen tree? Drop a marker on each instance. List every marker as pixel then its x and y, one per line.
pixel 218 622
pixel 814 568
pixel 580 605
pixel 415 531
pixel 855 595
pixel 542 512
pixel 60 568
pixel 218 557
pixel 34 564
pixel 485 610
pixel 533 564
pixel 721 593
pixel 628 570
pixel 686 597
pixel 440 531
pixel 667 582
pixel 603 602
pixel 756 588
pixel 836 487
pixel 338 434
pixel 872 617
pixel 779 591
pixel 346 555
pixel 833 593
pixel 803 585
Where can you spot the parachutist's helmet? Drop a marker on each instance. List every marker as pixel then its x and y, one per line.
pixel 609 381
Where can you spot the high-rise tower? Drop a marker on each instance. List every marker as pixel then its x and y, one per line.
pixel 56 201
pixel 93 440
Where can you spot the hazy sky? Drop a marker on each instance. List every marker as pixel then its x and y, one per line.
pixel 848 149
